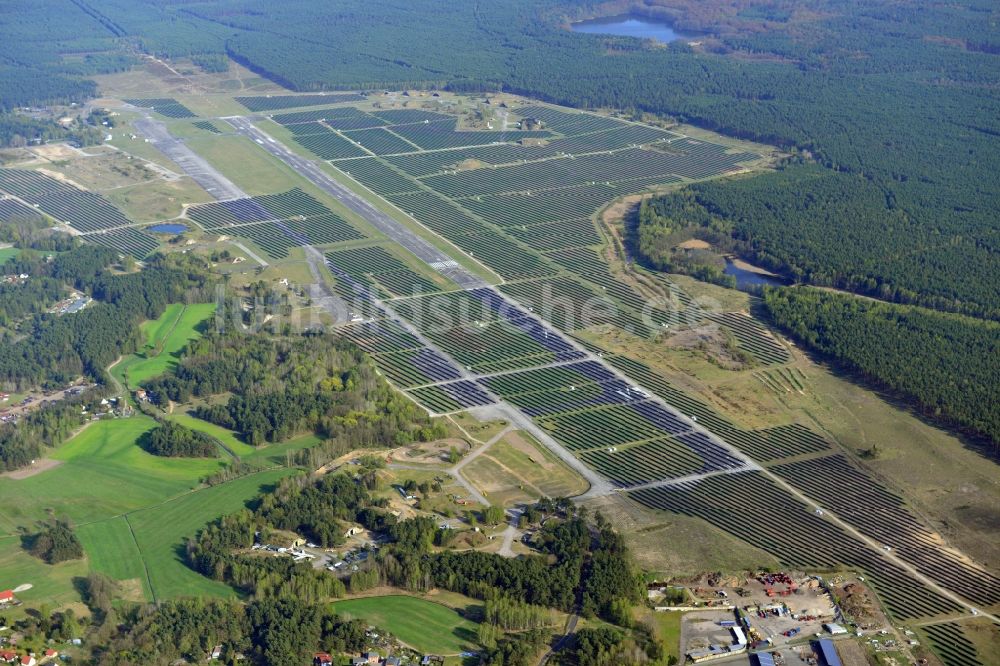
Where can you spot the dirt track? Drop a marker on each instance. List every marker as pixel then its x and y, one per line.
pixel 39 466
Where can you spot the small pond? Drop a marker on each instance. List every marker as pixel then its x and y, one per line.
pixel 168 228
pixel 747 278
pixel 630 25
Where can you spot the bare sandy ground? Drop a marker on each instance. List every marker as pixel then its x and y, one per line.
pixel 37 467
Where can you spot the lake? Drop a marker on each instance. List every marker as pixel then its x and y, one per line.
pixel 746 279
pixel 168 228
pixel 629 25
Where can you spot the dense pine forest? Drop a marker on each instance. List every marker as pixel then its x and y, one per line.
pixel 949 364
pixel 822 228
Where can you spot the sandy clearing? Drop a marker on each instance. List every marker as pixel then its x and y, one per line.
pixel 36 467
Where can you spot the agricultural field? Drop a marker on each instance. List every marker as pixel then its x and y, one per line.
pixel 132 513
pixel 426 626
pixel 101 473
pixel 161 532
pixel 52 584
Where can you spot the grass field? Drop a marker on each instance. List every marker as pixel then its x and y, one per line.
pixel 275 453
pixel 112 550
pixel 423 625
pixel 111 490
pixel 250 167
pixel 165 338
pixel 667 629
pixel 536 465
pixel 8 252
pixel 157 200
pixel 103 474
pixel 518 469
pixel 51 584
pixel 161 531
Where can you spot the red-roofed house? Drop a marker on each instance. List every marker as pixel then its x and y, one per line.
pixel 28 660
pixel 6 596
pixel 322 659
pixel 8 657
pixel 50 653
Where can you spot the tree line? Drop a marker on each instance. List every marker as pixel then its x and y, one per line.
pixel 264 631
pixel 948 364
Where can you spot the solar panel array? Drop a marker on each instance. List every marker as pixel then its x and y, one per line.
pixel 81 209
pixel 275 102
pixel 276 222
pixel 165 106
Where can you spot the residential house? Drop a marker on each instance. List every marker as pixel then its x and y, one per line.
pixel 28 660
pixel 8 657
pixel 216 652
pixel 322 659
pixel 373 657
pixel 6 597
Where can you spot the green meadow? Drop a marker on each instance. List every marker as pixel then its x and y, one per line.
pixel 165 337
pixel 8 252
pixel 423 625
pixel 102 473
pixel 132 512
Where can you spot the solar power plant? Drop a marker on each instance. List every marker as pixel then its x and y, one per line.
pixel 165 106
pixel 275 102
